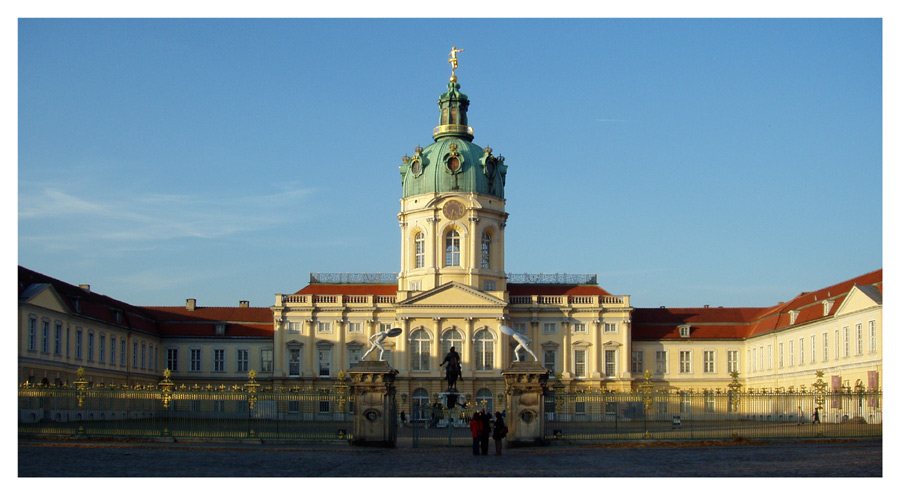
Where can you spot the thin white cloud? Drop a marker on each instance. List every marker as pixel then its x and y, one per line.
pixel 59 218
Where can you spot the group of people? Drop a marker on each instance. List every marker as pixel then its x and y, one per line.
pixel 483 430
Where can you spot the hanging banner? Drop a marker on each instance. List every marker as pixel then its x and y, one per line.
pixel 835 391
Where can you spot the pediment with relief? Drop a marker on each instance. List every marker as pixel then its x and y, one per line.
pixel 452 294
pixel 44 295
pixel 859 298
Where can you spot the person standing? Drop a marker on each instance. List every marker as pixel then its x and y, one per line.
pixel 485 431
pixel 499 433
pixel 475 426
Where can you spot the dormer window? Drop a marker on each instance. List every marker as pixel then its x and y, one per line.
pixel 826 307
pixel 684 331
pixel 793 314
pixel 220 329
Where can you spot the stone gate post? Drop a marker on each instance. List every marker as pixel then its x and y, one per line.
pixel 526 385
pixel 375 404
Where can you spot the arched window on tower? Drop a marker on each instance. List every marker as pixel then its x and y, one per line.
pixel 485 250
pixel 420 350
pixel 452 248
pixel 484 350
pixel 420 250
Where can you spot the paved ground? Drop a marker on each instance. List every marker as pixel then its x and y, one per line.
pixel 720 459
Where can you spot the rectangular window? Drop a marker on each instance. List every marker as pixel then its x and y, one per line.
pixel 219 360
pixel 550 360
pixel 579 328
pixel 752 359
pixel 684 361
pixel 294 361
pixel 324 406
pixel 769 356
pixel 325 362
pixel 637 361
pixel 143 356
pixel 812 348
pixel 32 334
pixel 580 363
pixel 112 350
pixel 609 328
pixel 709 361
pixel 243 361
pixel 781 354
pixel 266 360
pixel 57 339
pixel 733 361
pixel 101 348
pixel 45 336
pixel 90 346
pixel 122 352
pixel 662 365
pixel 846 341
pixel 859 339
pixel 873 339
pixel 610 363
pixel 415 285
pixel 134 354
pixel 549 328
pixel 195 360
pixel 323 327
pixel 295 326
pixel 710 404
pixel 355 327
pixel 68 340
pixel 490 285
pixel 521 328
pixel 801 351
pixel 790 353
pixel 172 359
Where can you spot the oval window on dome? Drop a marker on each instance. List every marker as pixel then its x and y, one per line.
pixel 416 167
pixel 453 163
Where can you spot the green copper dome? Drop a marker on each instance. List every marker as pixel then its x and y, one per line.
pixel 453 163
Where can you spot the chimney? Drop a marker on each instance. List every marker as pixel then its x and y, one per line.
pixel 244 304
pixel 706 305
pixel 85 287
pixel 190 304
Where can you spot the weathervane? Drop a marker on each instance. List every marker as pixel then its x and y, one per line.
pixel 454 63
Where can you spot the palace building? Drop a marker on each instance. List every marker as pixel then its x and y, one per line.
pixel 452 290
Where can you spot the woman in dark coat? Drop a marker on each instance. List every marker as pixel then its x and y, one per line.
pixel 499 432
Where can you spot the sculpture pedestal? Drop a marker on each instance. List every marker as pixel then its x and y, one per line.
pixel 526 385
pixel 375 404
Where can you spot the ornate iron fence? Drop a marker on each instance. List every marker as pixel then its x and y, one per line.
pixel 238 412
pixel 586 415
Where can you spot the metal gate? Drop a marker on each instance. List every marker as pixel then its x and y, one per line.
pixel 436 425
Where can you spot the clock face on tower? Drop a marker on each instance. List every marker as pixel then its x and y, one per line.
pixel 454 210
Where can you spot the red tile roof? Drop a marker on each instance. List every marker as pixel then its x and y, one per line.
pixel 740 323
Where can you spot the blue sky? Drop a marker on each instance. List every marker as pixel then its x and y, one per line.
pixel 685 161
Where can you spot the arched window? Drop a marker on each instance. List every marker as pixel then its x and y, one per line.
pixel 484 350
pixel 451 338
pixel 419 404
pixel 419 350
pixel 452 249
pixel 484 398
pixel 485 250
pixel 420 250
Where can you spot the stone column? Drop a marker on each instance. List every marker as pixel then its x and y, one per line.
pixel 375 403
pixel 526 385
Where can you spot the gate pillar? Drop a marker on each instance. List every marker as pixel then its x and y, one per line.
pixel 526 385
pixel 375 404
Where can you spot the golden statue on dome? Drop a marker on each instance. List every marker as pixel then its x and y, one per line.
pixel 454 63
